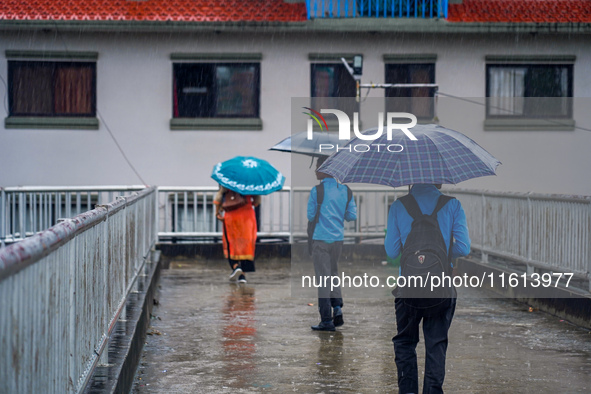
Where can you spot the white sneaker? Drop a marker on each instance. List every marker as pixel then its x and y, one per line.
pixel 236 273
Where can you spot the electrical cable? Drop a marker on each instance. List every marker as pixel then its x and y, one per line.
pixel 555 122
pixel 101 117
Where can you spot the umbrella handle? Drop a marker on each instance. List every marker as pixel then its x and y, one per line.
pixel 218 213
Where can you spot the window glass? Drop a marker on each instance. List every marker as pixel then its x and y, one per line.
pixel 209 90
pixel 329 82
pixel 529 90
pixel 52 88
pixel 418 102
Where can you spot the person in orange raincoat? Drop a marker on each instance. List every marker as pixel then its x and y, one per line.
pixel 239 231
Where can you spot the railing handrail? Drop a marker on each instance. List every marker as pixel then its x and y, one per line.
pixel 109 246
pixel 20 255
pixel 530 195
pixel 103 188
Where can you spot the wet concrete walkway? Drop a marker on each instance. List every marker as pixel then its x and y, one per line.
pixel 211 336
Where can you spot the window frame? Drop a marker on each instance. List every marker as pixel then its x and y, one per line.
pixel 221 123
pixel 313 81
pixel 413 61
pixel 340 102
pixel 52 121
pixel 508 65
pixel 62 63
pixel 256 93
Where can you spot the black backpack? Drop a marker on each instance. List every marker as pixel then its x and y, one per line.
pixel 319 199
pixel 425 254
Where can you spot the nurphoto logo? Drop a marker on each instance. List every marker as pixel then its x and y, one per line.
pixel 345 130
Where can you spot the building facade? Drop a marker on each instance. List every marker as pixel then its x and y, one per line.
pixel 158 92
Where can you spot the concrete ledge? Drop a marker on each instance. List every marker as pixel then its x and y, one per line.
pixel 266 251
pixel 57 122
pixel 221 124
pixel 569 304
pixel 128 337
pixel 549 124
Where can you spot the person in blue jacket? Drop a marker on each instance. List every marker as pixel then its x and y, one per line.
pixel 452 222
pixel 328 243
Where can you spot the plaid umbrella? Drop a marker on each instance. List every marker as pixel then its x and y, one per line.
pixel 439 155
pixel 299 143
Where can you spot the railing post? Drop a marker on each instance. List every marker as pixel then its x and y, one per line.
pixel 484 256
pixel 529 228
pixel 291 191
pixel 73 333
pixel 103 357
pixel 2 217
pixel 21 215
pixel 588 252
pixel 156 223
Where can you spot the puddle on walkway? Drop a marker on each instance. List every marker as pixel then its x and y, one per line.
pixel 211 336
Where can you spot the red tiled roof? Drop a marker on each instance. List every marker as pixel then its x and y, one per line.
pixel 154 10
pixel 538 11
pixel 532 11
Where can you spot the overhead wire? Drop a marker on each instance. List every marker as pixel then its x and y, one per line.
pixel 510 112
pixel 550 121
pixel 103 120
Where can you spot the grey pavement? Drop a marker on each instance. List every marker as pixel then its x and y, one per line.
pixel 211 336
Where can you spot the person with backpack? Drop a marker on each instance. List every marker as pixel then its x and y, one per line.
pixel 427 229
pixel 329 205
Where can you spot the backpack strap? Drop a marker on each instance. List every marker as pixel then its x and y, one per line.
pixel 319 200
pixel 413 209
pixel 411 206
pixel 441 201
pixel 349 197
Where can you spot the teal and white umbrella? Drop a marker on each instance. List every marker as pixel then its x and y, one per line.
pixel 248 175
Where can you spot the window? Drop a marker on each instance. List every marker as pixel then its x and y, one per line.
pixel 419 101
pixel 52 88
pixel 331 81
pixel 216 90
pixel 529 90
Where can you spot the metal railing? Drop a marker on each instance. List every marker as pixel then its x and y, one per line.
pixel 63 289
pixel 551 232
pixel 377 8
pixel 25 211
pixel 545 231
pixel 188 213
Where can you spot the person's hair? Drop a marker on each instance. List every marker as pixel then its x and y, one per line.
pixel 321 160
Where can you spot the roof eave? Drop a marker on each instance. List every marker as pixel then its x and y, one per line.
pixel 351 25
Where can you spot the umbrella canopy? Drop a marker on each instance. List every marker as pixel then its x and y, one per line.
pixel 248 175
pixel 299 143
pixel 439 155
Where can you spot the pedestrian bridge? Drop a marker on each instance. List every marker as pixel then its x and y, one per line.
pixel 78 268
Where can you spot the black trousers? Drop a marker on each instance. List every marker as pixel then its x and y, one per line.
pixel 246 265
pixel 435 329
pixel 326 257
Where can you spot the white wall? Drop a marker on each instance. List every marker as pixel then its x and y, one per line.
pixel 134 97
